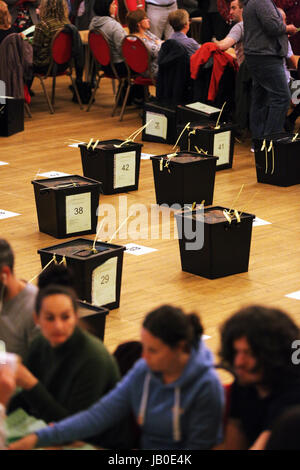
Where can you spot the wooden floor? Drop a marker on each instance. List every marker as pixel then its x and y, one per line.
pixel 155 278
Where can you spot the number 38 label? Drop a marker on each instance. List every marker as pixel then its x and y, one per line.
pixel 104 279
pixel 124 169
pixel 78 213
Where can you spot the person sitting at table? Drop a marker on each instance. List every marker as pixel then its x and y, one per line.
pixel 105 11
pixel 5 22
pixel 67 369
pixel 180 22
pixel 173 392
pixel 139 25
pixel 53 17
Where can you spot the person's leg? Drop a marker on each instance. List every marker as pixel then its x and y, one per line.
pixel 271 95
pixel 206 28
pixel 219 26
pixel 158 17
pixel 168 31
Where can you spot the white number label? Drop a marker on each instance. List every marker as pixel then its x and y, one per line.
pixel 104 281
pixel 78 213
pixel 124 169
pixel 159 125
pixel 222 147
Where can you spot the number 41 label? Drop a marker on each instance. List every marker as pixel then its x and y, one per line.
pixel 222 147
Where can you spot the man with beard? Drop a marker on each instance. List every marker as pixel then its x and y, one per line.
pixel 256 343
pixel 17 299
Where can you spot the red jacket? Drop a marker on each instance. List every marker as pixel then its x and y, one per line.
pixel 221 60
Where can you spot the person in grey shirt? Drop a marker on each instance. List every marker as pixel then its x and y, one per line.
pixel 17 299
pixel 235 37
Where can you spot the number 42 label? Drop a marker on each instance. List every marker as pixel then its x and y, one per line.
pixel 124 169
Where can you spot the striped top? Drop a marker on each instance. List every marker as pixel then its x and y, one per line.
pixel 42 39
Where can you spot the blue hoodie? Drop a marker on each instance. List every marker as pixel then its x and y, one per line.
pixel 185 414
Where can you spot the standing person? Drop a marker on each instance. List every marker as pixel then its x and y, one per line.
pixel 256 343
pixel 213 24
pixel 17 299
pixel 173 392
pixel 5 22
pixel 158 12
pixel 265 46
pixel 180 22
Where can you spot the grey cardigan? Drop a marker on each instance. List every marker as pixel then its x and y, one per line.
pixel 265 31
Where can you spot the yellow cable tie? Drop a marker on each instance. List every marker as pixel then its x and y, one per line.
pixel 237 215
pixel 227 216
pixel 295 137
pixel 183 130
pixel 263 145
pixel 134 134
pixel 220 114
pixel 53 259
pixel 63 261
pixel 94 146
pixel 161 164
pixel 90 143
pixel 273 159
pixel 266 156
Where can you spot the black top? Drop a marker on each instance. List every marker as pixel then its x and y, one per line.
pixel 258 414
pixel 5 32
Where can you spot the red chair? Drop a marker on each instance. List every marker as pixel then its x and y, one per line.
pixel 61 56
pixel 133 5
pixel 101 53
pixel 137 60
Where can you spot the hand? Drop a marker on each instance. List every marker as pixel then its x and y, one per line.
pixel 25 378
pixel 7 384
pixel 27 443
pixel 291 29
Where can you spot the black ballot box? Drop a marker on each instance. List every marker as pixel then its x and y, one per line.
pixel 97 273
pixel 92 318
pixel 211 246
pixel 215 141
pixel 116 165
pixel 197 112
pixel 277 160
pixel 11 115
pixel 184 178
pixel 161 122
pixel 67 206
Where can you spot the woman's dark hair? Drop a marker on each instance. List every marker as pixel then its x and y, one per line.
pixel 57 274
pixel 171 325
pixel 6 255
pixel 133 18
pixel 101 7
pixel 270 333
pixel 53 290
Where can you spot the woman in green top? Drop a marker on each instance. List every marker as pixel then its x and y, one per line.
pixel 53 17
pixel 67 369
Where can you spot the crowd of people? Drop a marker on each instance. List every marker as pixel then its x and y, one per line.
pixel 257 30
pixel 171 396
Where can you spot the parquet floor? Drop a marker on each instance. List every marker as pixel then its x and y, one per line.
pixel 155 278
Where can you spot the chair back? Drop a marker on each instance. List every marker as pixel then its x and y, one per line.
pixel 61 48
pixel 132 5
pixel 135 53
pixel 99 47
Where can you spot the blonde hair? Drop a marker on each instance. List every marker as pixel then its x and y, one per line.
pixel 5 18
pixel 57 9
pixel 178 19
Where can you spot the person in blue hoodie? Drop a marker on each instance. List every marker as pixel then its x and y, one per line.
pixel 173 392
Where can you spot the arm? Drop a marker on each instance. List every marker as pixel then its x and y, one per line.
pixel 226 43
pixel 99 417
pixel 261 441
pixel 118 36
pixel 205 424
pixel 270 20
pixel 235 438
